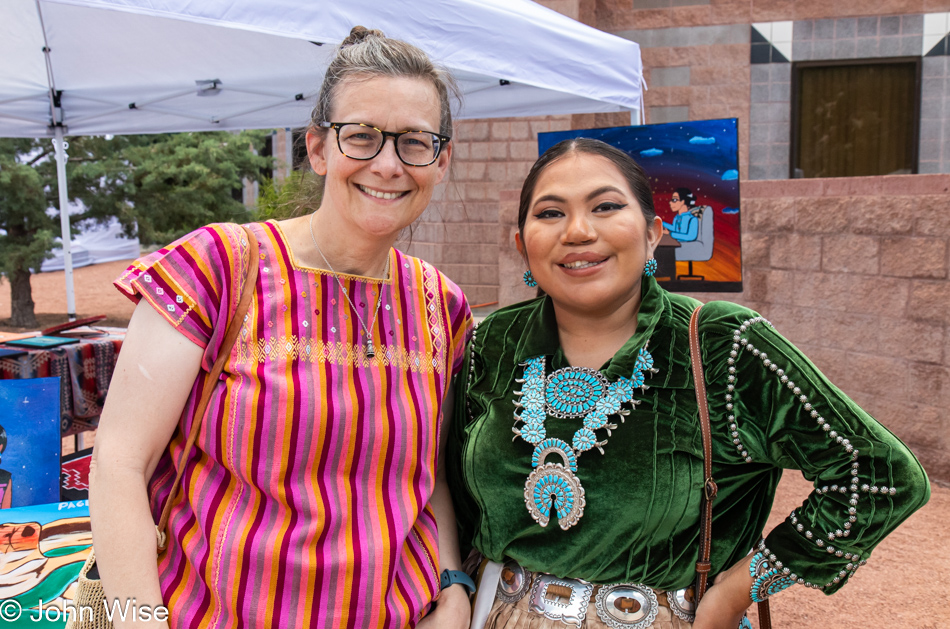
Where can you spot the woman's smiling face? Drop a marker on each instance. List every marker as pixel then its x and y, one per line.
pixel 379 196
pixel 585 237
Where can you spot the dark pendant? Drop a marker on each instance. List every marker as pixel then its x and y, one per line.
pixel 370 351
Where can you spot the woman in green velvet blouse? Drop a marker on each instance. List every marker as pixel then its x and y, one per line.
pixel 581 456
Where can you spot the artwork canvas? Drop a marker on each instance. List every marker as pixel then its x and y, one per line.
pixel 30 442
pixel 693 169
pixel 42 549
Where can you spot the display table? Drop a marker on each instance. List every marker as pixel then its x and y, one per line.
pixel 84 370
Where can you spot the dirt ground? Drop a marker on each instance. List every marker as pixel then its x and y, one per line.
pixel 902 584
pixel 94 295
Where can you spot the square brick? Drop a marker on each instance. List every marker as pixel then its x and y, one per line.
pixel 777 170
pixel 867 47
pixel 845 27
pixel 480 151
pixel 912 24
pixel 780 92
pixel 890 25
pixel 499 150
pixel 520 130
pixel 867 26
pixel 760 133
pixel 823 29
pixel 890 47
pixel 477 130
pixel 524 150
pixel 845 49
pixel 780 132
pixel 802 30
pixel 911 45
pixel 759 73
pixel 802 50
pixel 823 49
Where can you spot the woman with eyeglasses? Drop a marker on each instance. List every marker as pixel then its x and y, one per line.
pixel 315 494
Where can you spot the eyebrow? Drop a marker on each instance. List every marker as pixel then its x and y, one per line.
pixel 602 190
pixel 593 195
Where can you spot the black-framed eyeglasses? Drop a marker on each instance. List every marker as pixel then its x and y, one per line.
pixel 362 141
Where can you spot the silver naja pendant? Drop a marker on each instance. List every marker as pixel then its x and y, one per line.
pixel 552 485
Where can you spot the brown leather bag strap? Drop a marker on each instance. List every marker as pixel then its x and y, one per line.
pixel 710 489
pixel 709 485
pixel 230 336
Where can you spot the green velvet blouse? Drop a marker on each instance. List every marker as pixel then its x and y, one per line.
pixel 770 410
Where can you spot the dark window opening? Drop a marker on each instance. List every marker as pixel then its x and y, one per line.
pixel 855 120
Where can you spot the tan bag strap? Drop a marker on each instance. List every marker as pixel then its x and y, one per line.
pixel 230 336
pixel 709 484
pixel 710 489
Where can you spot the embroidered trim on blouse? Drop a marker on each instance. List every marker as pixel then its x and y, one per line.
pixel 852 486
pixel 335 352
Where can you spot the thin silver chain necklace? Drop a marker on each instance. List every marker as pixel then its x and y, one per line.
pixel 370 350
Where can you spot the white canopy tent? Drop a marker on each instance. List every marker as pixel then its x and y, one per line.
pixel 89 67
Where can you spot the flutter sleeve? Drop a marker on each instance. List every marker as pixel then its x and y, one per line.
pixel 782 411
pixel 193 283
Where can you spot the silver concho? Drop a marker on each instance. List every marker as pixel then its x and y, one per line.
pixel 560 599
pixel 627 605
pixel 514 583
pixel 553 485
pixel 683 604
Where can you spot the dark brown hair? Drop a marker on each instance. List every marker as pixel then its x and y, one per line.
pixel 631 171
pixel 687 196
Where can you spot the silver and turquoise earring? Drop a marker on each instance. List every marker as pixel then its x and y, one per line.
pixel 650 269
pixel 529 279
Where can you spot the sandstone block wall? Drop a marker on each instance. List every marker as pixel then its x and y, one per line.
pixel 855 272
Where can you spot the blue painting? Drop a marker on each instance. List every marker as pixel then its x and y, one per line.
pixel 693 168
pixel 30 442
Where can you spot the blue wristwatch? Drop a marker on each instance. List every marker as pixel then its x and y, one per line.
pixel 451 577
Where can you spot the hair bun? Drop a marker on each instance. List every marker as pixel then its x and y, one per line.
pixel 360 33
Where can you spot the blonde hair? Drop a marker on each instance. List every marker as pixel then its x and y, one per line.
pixel 367 53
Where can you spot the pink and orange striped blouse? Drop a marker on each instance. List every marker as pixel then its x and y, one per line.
pixel 306 499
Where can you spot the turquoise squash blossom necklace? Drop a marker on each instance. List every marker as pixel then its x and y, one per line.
pixel 572 392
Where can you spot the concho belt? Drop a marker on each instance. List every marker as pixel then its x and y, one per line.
pixel 619 606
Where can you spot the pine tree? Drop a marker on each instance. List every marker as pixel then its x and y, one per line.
pixel 159 187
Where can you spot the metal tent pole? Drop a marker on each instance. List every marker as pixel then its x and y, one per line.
pixel 64 221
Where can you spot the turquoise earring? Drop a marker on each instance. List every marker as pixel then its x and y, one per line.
pixel 529 279
pixel 650 269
